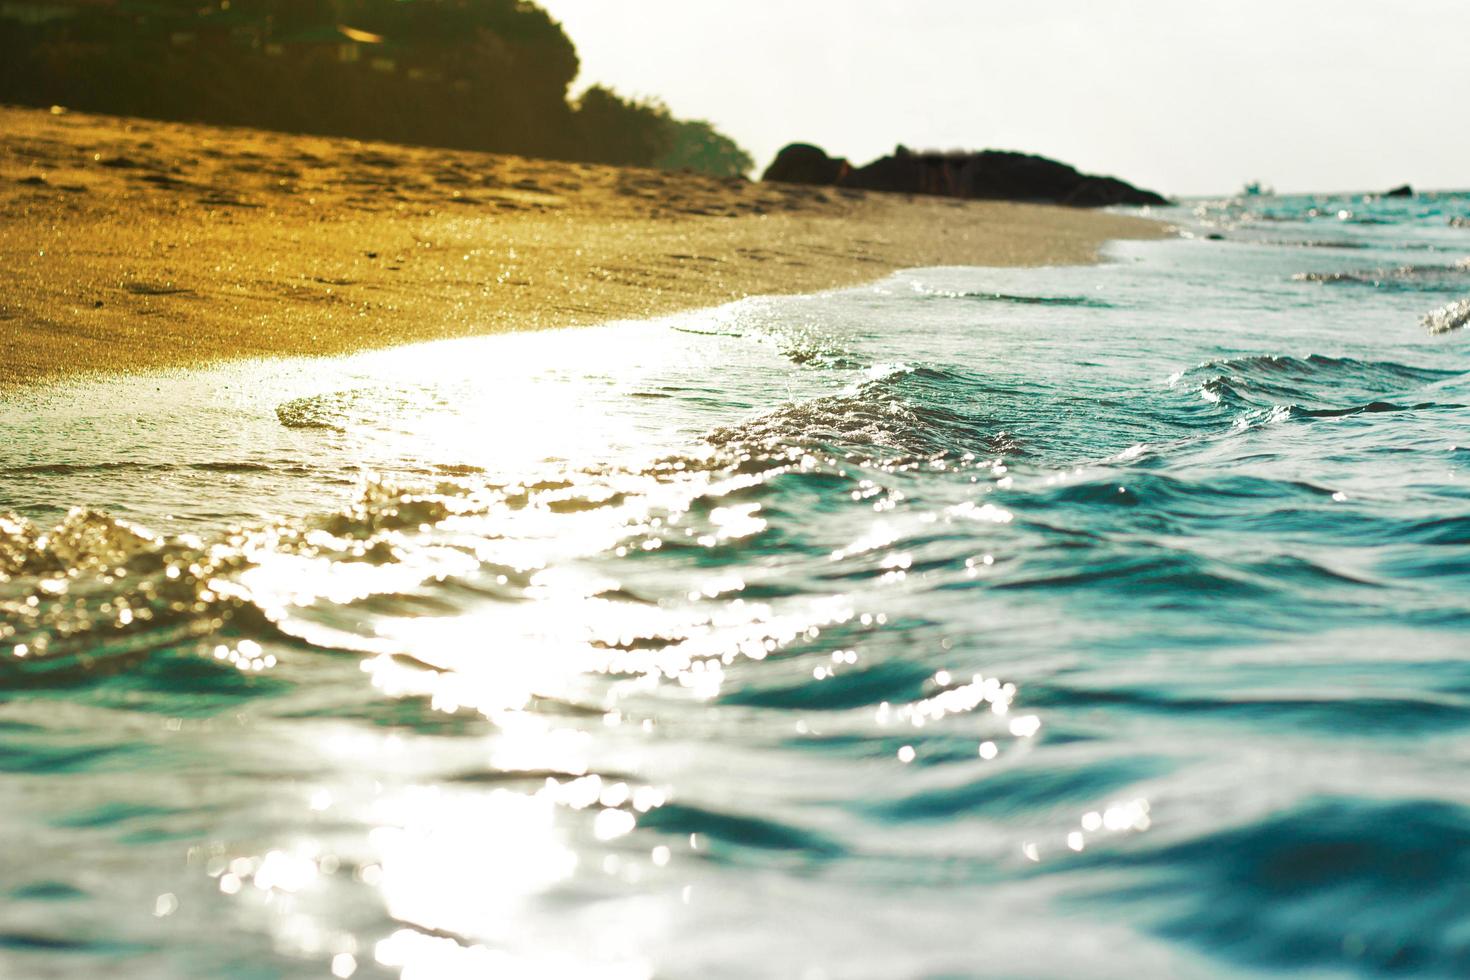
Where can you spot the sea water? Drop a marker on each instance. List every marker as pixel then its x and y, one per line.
pixel 1076 621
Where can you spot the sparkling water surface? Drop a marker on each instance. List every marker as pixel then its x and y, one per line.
pixel 1082 621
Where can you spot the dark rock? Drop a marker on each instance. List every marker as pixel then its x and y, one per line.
pixel 802 163
pixel 1104 192
pixel 990 174
pixel 1403 190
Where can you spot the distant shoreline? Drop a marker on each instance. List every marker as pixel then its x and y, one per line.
pixel 132 244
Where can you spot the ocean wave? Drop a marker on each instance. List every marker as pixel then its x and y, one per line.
pixel 1006 622
pixel 998 795
pixel 867 419
pixel 908 410
pixel 984 296
pixel 1387 715
pixel 892 681
pixel 134 466
pixel 1151 577
pixel 1328 243
pixel 808 346
pixel 1313 384
pixel 1369 408
pixel 85 540
pixel 95 592
pixel 1159 492
pixel 1256 892
pixel 340 411
pixel 1404 277
pixel 317 411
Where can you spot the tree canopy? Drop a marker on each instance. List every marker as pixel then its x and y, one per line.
pixel 473 74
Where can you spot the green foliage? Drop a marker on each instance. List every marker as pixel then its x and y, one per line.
pixel 472 74
pixel 622 132
pixel 290 16
pixel 632 133
pixel 532 46
pixel 700 147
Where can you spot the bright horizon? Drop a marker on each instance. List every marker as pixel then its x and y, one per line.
pixel 1306 96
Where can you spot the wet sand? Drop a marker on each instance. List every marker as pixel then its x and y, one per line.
pixel 130 244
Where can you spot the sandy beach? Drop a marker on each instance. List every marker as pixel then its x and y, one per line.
pixel 130 244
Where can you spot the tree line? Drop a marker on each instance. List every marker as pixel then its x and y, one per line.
pixel 491 75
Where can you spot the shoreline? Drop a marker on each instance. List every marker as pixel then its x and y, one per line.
pixel 129 245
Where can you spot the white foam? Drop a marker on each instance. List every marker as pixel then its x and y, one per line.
pixel 1451 317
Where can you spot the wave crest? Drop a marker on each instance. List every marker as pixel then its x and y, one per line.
pixel 1448 318
pixel 1313 384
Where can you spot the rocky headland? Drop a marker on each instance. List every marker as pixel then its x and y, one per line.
pixel 993 175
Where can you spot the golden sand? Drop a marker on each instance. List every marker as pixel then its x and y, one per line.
pixel 129 244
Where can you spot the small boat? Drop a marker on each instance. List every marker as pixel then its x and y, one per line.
pixel 1255 188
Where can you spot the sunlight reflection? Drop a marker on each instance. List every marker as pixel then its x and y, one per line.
pixel 427 957
pixel 465 862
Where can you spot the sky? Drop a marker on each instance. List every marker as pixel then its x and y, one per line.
pixel 1181 96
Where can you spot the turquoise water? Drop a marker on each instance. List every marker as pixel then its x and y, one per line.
pixel 1083 621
